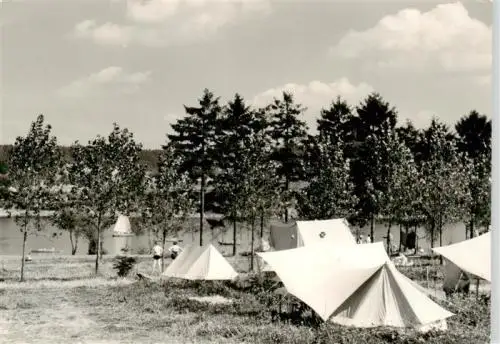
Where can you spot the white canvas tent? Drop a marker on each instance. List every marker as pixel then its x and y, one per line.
pixel 122 226
pixel 356 286
pixel 470 257
pixel 201 263
pixel 303 233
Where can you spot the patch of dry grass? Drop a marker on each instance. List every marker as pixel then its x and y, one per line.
pixel 105 309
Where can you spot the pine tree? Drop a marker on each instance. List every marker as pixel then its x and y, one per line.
pixel 289 135
pixel 195 141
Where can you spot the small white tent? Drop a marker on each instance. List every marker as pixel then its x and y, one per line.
pixel 303 233
pixel 201 263
pixel 122 227
pixel 356 286
pixel 469 257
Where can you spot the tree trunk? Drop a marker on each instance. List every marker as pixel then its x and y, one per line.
pixel 253 238
pixel 92 246
pixel 150 239
pixel 416 239
pixel 400 237
pixel 262 224
pixel 75 248
pixel 73 238
pixel 440 231
pixel 287 185
pixel 433 225
pixel 371 227
pixel 471 225
pixel 440 237
pixel 202 206
pixel 406 231
pixel 98 249
pixel 234 235
pixel 389 251
pixel 163 240
pixel 25 237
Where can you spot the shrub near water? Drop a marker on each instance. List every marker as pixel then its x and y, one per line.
pixel 123 265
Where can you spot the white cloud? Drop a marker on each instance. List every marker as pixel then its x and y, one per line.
pixel 445 36
pixel 317 95
pixel 110 79
pixel 164 22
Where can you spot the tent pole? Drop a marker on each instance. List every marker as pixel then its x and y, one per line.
pixel 477 288
pixel 458 281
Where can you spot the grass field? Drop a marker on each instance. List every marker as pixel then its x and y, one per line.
pixel 62 301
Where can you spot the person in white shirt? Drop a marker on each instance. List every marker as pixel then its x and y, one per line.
pixel 174 250
pixel 368 239
pixel 157 254
pixel 361 239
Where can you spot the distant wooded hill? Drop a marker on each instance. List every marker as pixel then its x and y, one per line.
pixel 150 157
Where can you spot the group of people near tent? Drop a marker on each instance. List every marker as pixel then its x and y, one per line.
pixel 174 251
pixel 354 284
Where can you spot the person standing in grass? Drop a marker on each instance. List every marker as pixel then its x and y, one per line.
pixel 157 253
pixel 174 250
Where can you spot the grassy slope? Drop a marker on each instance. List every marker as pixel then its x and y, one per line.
pixel 62 301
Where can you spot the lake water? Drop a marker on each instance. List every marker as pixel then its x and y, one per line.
pixel 11 239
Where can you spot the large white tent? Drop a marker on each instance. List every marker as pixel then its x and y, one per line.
pixel 356 285
pixel 201 263
pixel 303 233
pixel 470 257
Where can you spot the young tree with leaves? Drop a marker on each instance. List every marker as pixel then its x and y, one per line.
pixel 474 143
pixel 108 178
pixel 67 219
pixel 443 189
pixel 330 192
pixel 34 170
pixel 168 199
pixel 194 141
pixel 400 174
pixel 258 181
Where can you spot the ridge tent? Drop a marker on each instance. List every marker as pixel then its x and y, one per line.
pixel 302 233
pixel 459 260
pixel 355 286
pixel 201 263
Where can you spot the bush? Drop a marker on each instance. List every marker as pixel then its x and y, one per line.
pixel 123 265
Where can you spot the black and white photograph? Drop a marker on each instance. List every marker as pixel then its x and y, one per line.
pixel 247 171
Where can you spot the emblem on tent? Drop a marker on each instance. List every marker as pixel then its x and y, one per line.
pixel 322 235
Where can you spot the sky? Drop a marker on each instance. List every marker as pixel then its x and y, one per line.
pixel 86 64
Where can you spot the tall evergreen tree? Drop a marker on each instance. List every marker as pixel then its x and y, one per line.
pixel 289 133
pixel 237 128
pixel 195 142
pixel 334 124
pixel 373 120
pixel 474 135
